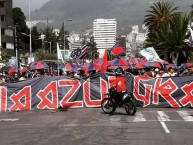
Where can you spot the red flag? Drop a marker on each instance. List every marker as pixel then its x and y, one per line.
pixel 105 62
pixel 117 50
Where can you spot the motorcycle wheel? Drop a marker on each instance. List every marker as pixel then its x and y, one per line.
pixel 130 107
pixel 107 106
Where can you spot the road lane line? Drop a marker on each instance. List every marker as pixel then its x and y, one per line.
pixel 185 115
pixel 164 127
pixel 25 124
pixel 13 119
pixel 162 116
pixel 139 117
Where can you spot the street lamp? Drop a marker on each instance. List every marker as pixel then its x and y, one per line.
pixel 30 54
pixel 50 42
pixel 30 39
pixel 65 36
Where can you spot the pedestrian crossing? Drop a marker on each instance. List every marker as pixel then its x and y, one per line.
pixel 153 116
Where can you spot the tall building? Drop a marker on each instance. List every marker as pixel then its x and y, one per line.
pixel 135 40
pixel 6 35
pixel 104 32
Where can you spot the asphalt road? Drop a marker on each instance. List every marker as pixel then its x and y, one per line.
pixel 93 127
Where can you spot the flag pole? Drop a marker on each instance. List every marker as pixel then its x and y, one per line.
pixel 58 57
pixel 58 67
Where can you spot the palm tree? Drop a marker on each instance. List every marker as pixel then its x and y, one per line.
pixel 168 39
pixel 160 12
pixel 191 13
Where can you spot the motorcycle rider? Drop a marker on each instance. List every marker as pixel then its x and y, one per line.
pixel 120 83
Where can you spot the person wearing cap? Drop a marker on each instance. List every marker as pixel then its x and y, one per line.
pixel 119 83
pixel 155 72
pixel 162 73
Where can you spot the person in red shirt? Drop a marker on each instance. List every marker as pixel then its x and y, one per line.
pixel 120 84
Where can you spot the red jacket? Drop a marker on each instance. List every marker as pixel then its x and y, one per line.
pixel 120 83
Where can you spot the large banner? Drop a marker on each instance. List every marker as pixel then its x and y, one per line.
pixel 172 92
pixel 53 92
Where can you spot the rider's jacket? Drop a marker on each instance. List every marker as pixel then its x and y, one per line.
pixel 120 83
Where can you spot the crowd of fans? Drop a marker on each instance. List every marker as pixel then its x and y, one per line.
pixel 163 72
pixel 80 73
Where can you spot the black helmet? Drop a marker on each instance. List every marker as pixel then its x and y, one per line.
pixel 119 71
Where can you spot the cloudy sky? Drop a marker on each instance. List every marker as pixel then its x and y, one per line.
pixel 35 4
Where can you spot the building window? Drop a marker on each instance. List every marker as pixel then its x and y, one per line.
pixel 2 4
pixel 2 31
pixel 3 44
pixel 3 18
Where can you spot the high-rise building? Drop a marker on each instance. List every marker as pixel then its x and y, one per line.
pixel 6 35
pixel 104 32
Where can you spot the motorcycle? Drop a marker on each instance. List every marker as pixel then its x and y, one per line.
pixel 111 102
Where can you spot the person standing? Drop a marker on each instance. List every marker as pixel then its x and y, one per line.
pixel 171 72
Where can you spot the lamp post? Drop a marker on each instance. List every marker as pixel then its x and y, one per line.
pixel 0 44
pixel 50 42
pixel 65 36
pixel 16 41
pixel 30 39
pixel 30 54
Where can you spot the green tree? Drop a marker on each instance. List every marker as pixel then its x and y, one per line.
pixel 42 55
pixel 36 41
pixel 50 36
pixel 92 53
pixel 19 20
pixel 61 37
pixel 160 12
pixel 191 13
pixel 168 39
pixel 5 55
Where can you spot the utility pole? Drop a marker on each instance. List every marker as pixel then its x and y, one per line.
pixel 0 43
pixel 50 42
pixel 65 36
pixel 30 45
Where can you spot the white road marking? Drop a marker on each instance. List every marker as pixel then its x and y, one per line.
pixel 185 115
pixel 139 117
pixel 164 127
pixel 25 124
pixel 162 116
pixel 14 119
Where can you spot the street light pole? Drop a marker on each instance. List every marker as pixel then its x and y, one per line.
pixel 65 36
pixel 30 42
pixel 16 48
pixel 50 42
pixel 0 44
pixel 64 40
pixel 50 47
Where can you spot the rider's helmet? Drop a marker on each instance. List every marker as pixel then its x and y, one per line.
pixel 119 71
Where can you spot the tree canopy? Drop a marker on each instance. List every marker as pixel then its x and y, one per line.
pixel 168 31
